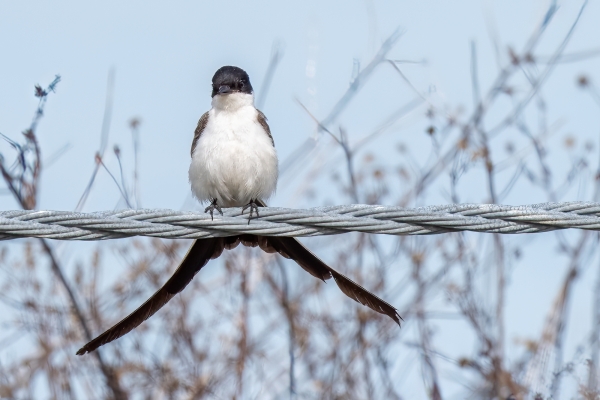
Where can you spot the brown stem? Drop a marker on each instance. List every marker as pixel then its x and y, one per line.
pixel 111 379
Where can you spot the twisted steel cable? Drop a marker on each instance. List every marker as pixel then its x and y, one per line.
pixel 273 221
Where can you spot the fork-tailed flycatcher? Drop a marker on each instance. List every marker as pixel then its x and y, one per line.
pixel 234 164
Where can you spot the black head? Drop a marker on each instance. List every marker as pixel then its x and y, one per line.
pixel 230 80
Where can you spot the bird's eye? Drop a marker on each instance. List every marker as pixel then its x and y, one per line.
pixel 241 84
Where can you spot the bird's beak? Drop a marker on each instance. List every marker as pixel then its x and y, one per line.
pixel 224 89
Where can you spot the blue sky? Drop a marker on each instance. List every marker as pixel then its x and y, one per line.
pixel 164 55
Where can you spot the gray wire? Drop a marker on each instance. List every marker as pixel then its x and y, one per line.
pixel 273 221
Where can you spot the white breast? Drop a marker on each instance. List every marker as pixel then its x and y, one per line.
pixel 234 160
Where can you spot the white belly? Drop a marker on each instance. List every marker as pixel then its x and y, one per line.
pixel 234 160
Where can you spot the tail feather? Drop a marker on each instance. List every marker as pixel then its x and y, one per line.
pixel 196 258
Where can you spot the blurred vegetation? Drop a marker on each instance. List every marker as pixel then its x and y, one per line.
pixel 261 328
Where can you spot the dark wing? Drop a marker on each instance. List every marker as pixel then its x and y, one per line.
pixel 197 256
pixel 291 248
pixel 201 125
pixel 262 120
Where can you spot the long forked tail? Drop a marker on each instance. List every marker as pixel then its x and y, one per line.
pixel 293 249
pixel 197 256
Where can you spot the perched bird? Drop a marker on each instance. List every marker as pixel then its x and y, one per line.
pixel 234 164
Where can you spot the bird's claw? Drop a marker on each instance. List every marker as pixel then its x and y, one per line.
pixel 213 206
pixel 252 206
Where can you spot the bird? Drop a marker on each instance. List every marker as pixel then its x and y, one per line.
pixel 234 164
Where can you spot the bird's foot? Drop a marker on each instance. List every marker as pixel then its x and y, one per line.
pixel 213 206
pixel 252 206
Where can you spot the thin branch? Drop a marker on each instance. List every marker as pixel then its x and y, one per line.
pixel 276 55
pixel 108 104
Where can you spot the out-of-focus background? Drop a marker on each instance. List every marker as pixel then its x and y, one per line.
pixel 435 102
